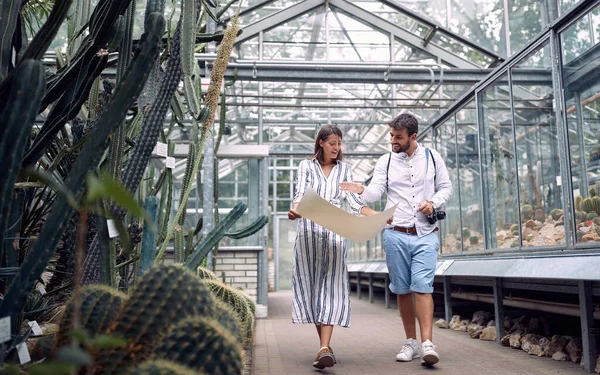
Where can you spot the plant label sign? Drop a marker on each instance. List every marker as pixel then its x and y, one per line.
pixel 35 328
pixel 23 353
pixel 170 162
pixel 160 149
pixel 112 228
pixel 5 329
pixel 40 288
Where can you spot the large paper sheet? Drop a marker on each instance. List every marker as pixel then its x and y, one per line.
pixel 355 228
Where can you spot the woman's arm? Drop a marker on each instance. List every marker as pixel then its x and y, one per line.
pixel 301 183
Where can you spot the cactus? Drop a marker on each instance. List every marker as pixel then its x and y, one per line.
pixel 527 212
pixel 466 232
pixel 580 236
pixel 43 348
pixel 149 236
pixel 250 229
pixel 474 240
pixel 514 228
pixel 587 205
pixel 164 292
pixel 590 216
pixel 592 192
pixel 556 213
pixel 229 320
pixel 580 216
pixel 16 121
pixel 204 345
pixel 206 274
pixel 215 235
pixel 163 368
pixel 596 204
pixel 578 203
pixel 100 305
pixel 237 302
pixel 178 245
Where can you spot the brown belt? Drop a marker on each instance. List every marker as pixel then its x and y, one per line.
pixel 412 230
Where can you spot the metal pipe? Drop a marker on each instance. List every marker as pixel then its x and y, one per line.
pixel 526 303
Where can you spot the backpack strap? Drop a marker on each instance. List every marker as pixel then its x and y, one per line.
pixel 387 173
pixel 427 152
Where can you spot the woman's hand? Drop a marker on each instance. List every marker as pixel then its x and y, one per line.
pixel 352 187
pixel 293 215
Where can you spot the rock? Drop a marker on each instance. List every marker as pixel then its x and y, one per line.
pixel 471 328
pixel 530 224
pixel 560 356
pixel 508 322
pixel 528 340
pixel 505 341
pixel 481 317
pixel 488 334
pixel 536 350
pixel 544 344
pixel 557 344
pixel 462 327
pixel 441 324
pixel 590 237
pixel 515 340
pixel 455 322
pixel 598 365
pixel 574 349
pixel 535 325
pixel 476 334
pixel 491 323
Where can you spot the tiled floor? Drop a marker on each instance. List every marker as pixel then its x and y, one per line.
pixel 369 346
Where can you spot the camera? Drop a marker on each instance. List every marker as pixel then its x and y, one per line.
pixel 435 216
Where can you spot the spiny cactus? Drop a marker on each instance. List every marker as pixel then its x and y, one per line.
pixel 556 213
pixel 202 344
pixel 596 204
pixel 466 232
pixel 587 205
pixel 592 192
pixel 164 293
pixel 100 305
pixel 163 368
pixel 149 236
pixel 207 274
pixel 237 302
pixel 474 240
pixel 580 216
pixel 578 203
pixel 250 229
pixel 514 227
pixel 527 212
pixel 229 320
pixel 591 216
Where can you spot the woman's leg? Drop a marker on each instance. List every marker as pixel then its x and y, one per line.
pixel 318 330
pixel 325 335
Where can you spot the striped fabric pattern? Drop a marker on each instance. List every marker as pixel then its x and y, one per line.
pixel 319 274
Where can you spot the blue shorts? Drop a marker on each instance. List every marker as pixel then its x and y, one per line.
pixel 410 261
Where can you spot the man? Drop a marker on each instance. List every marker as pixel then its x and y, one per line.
pixel 417 180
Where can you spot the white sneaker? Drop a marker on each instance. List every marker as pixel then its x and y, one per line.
pixel 409 351
pixel 429 356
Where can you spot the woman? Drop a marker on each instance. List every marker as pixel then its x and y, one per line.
pixel 320 277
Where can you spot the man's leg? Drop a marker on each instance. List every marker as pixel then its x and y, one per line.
pixel 424 304
pixel 407 312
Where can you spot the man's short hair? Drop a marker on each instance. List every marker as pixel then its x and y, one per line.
pixel 405 121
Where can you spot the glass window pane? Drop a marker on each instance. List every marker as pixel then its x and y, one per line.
pixel 469 187
pixel 582 84
pixel 497 158
pixel 537 151
pixel 446 146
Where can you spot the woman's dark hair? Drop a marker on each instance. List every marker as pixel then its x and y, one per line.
pixel 324 133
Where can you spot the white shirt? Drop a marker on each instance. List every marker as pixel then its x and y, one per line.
pixel 408 185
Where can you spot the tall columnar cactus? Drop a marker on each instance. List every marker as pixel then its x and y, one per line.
pixel 149 236
pixel 237 302
pixel 179 245
pixel 16 121
pixel 204 345
pixel 163 368
pixel 164 293
pixel 89 158
pixel 99 307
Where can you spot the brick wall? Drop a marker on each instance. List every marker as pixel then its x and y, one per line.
pixel 240 268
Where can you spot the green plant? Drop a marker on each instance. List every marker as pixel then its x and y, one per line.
pixel 592 192
pixel 514 228
pixel 474 240
pixel 204 273
pixel 578 203
pixel 466 232
pixel 527 212
pixel 591 216
pixel 556 213
pixel 149 236
pixel 163 293
pixel 587 205
pixel 97 305
pixel 163 368
pixel 596 204
pixel 202 344
pixel 237 302
pixel 229 320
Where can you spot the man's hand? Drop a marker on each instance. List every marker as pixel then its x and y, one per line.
pixel 352 187
pixel 426 208
pixel 390 220
pixel 293 215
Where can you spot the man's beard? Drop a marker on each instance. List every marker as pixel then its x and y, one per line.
pixel 401 148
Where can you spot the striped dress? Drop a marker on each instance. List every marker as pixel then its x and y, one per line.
pixel 319 275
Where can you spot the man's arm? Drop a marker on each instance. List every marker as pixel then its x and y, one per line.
pixel 443 184
pixel 376 188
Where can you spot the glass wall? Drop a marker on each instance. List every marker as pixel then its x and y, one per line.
pixel 581 79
